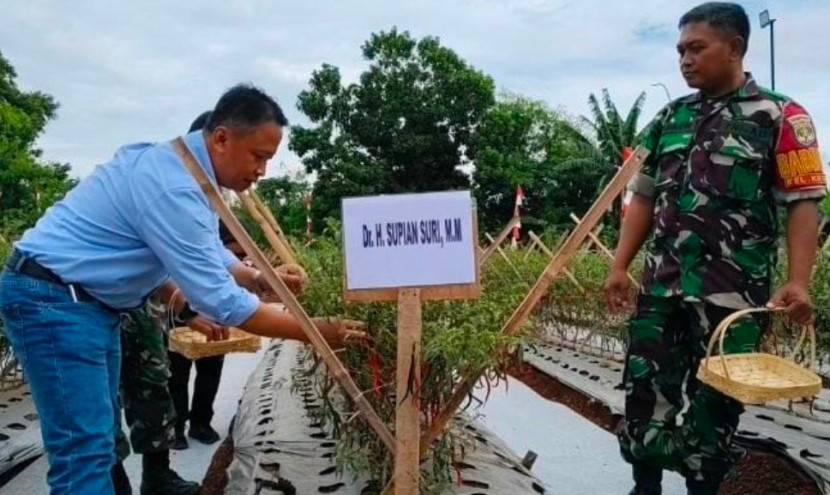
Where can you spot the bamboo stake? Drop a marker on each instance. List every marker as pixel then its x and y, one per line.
pixel 550 254
pixel 273 238
pixel 333 364
pixel 563 256
pixel 610 255
pixel 499 239
pixel 566 251
pixel 596 232
pixel 272 221
pixel 501 252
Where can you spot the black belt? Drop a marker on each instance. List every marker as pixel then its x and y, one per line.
pixel 19 263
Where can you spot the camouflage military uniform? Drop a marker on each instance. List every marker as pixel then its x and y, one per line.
pixel 716 171
pixel 145 370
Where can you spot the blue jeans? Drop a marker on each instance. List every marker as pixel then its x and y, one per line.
pixel 70 353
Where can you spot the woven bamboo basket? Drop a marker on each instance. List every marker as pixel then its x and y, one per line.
pixel 755 378
pixel 194 345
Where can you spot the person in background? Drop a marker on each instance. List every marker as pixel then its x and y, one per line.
pixel 721 161
pixel 208 375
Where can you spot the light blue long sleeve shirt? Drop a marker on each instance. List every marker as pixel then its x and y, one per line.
pixel 135 222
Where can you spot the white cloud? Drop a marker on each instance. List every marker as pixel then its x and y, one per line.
pixel 137 71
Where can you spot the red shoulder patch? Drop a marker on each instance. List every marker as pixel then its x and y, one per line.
pixel 796 154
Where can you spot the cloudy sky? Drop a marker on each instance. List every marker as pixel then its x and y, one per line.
pixel 141 71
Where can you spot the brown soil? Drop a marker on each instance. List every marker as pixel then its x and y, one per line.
pixel 759 473
pixel 552 389
pixel 216 478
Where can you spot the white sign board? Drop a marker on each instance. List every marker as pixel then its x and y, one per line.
pixel 409 240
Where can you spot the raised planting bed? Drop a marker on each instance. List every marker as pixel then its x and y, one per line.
pixel 280 443
pixel 20 439
pixel 789 443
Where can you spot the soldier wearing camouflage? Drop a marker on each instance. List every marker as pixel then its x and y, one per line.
pixel 717 169
pixel 716 172
pixel 145 370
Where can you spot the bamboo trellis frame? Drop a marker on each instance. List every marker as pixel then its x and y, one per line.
pixel 604 249
pixel 272 221
pixel 504 256
pixel 522 313
pixel 541 245
pixel 279 246
pixel 333 364
pixel 499 239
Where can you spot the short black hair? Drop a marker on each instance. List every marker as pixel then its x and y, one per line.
pixel 244 107
pixel 729 18
pixel 200 121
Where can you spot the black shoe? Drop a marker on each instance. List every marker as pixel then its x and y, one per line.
pixel 120 480
pixel 180 443
pixel 647 480
pixel 167 482
pixel 203 433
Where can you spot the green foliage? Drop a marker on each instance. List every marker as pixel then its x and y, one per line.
pixel 459 337
pixel 602 151
pixel 522 142
pixel 824 206
pixel 403 127
pixel 613 131
pixel 27 186
pixel 285 196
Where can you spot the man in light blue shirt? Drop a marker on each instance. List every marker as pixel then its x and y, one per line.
pixel 135 223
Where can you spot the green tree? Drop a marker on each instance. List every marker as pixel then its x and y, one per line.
pixel 522 142
pixel 403 127
pixel 286 197
pixel 27 186
pixel 601 151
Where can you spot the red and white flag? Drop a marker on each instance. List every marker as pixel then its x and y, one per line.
pixel 520 196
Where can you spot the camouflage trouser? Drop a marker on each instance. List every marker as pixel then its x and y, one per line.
pixel 668 338
pixel 145 370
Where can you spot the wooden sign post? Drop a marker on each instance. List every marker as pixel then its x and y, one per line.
pixel 410 248
pixel 564 254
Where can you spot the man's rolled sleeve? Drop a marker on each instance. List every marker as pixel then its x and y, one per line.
pixel 178 229
pixel 643 183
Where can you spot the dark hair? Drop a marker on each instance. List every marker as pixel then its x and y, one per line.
pixel 200 122
pixel 729 18
pixel 244 107
pixel 225 234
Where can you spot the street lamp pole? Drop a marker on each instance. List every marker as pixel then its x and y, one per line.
pixel 767 21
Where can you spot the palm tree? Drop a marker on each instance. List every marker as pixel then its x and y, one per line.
pixel 601 140
pixel 599 150
pixel 612 131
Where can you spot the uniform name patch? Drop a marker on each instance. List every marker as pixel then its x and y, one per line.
pixel 800 168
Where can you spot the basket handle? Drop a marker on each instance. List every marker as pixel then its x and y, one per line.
pixel 720 333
